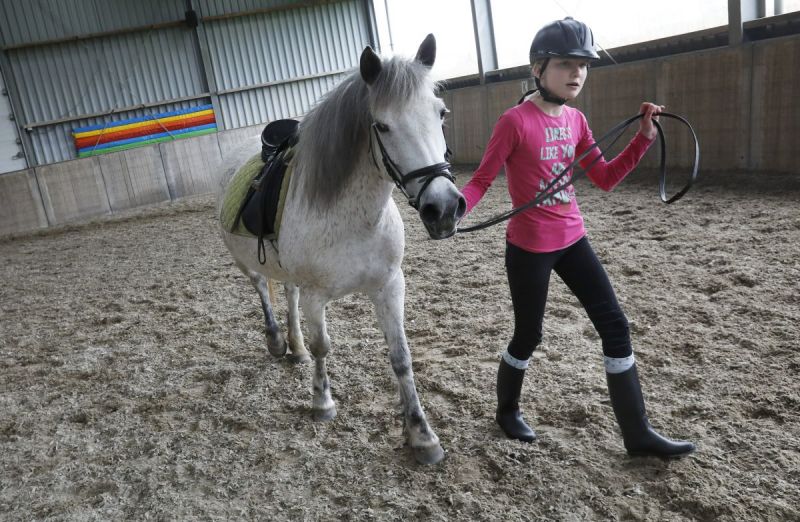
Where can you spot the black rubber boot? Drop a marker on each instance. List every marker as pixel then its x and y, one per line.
pixel 640 438
pixel 509 386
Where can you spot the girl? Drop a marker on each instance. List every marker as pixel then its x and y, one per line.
pixel 535 141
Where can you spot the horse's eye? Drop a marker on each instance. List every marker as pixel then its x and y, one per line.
pixel 443 113
pixel 382 127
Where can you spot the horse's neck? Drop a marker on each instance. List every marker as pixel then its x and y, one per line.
pixel 363 201
pixel 369 190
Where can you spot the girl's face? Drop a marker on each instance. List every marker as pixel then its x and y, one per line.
pixel 564 77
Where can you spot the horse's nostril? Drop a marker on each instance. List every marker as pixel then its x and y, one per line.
pixel 462 207
pixel 430 213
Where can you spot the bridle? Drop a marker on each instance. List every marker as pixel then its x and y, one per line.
pixel 427 174
pixel 556 184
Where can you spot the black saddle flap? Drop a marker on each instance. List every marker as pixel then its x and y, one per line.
pixel 259 207
pixel 259 211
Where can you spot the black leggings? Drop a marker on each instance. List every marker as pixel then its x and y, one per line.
pixel 579 268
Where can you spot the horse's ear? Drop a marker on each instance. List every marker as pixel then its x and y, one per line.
pixel 370 65
pixel 426 54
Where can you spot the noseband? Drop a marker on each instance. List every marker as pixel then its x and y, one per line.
pixel 428 173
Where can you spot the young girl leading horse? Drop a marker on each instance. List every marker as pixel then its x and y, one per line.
pixel 535 140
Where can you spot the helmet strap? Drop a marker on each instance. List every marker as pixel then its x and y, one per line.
pixel 547 95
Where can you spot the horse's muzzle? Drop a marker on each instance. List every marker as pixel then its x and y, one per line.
pixel 441 215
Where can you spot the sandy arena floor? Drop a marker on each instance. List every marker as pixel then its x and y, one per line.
pixel 135 382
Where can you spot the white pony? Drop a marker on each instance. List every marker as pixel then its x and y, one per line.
pixel 341 231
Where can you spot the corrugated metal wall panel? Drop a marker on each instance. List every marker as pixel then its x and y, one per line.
pixel 113 15
pixel 54 142
pixel 23 22
pixel 304 49
pixel 281 46
pixel 287 100
pixel 286 44
pixel 224 7
pixel 103 74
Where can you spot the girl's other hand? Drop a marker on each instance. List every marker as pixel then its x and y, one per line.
pixel 646 127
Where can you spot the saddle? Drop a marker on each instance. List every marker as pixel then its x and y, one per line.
pixel 259 211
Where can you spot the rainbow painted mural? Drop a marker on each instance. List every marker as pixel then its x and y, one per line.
pixel 145 130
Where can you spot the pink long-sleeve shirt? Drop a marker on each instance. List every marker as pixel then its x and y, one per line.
pixel 535 147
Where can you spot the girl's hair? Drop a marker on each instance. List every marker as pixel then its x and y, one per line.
pixel 537 63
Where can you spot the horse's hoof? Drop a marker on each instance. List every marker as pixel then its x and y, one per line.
pixel 430 455
pixel 324 415
pixel 277 349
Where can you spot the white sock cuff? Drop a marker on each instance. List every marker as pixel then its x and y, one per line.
pixel 618 364
pixel 519 364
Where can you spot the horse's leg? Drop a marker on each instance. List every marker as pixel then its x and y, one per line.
pixel 276 343
pixel 313 304
pixel 271 292
pixel 389 303
pixel 296 343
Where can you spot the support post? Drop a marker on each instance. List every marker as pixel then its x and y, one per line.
pixel 484 36
pixel 372 25
pixel 16 109
pixel 739 12
pixel 201 39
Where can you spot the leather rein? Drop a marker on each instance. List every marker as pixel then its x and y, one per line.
pixel 556 186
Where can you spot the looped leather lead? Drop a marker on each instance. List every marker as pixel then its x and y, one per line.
pixel 555 186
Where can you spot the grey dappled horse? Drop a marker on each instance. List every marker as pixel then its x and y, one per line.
pixel 341 231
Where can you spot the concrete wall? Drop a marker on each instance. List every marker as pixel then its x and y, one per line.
pixel 741 101
pixel 21 206
pixel 84 188
pixel 775 117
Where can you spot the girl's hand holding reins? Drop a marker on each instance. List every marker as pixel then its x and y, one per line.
pixel 646 127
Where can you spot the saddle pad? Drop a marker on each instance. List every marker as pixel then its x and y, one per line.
pixel 238 189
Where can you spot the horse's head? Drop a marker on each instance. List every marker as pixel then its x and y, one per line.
pixel 406 133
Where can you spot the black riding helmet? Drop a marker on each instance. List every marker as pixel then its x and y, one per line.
pixel 567 38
